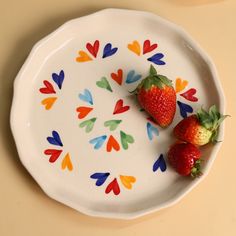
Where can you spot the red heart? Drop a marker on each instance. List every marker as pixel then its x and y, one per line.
pixel 48 88
pixel 114 186
pixel 54 154
pixel 93 49
pixel 118 77
pixel 189 95
pixel 147 47
pixel 119 108
pixel 83 111
pixel 112 143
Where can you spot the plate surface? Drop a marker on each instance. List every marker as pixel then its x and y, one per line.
pixel 79 131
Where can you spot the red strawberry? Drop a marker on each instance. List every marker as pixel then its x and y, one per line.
pixel 201 128
pixel 157 96
pixel 184 158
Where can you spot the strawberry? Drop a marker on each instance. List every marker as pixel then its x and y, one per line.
pixel 157 96
pixel 184 158
pixel 201 128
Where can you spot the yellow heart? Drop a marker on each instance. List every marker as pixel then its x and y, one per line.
pixel 48 102
pixel 127 181
pixel 134 47
pixel 180 84
pixel 67 163
pixel 83 56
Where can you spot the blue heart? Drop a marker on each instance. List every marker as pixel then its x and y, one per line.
pixel 156 59
pixel 98 142
pixel 101 178
pixel 184 109
pixel 151 130
pixel 86 97
pixel 58 78
pixel 159 163
pixel 55 139
pixel 108 50
pixel 131 77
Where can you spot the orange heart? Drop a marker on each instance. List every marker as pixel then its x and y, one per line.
pixel 66 163
pixel 83 56
pixel 83 111
pixel 48 102
pixel 180 85
pixel 112 143
pixel 135 47
pixel 127 181
pixel 118 77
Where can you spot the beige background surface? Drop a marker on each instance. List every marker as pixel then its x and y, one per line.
pixel 210 209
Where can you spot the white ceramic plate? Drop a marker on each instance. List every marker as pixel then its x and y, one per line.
pixel 82 135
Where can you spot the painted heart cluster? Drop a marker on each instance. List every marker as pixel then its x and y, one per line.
pixel 93 50
pixel 189 95
pixel 49 89
pixel 54 154
pixel 97 142
pixel 147 47
pixel 113 186
pixel 117 140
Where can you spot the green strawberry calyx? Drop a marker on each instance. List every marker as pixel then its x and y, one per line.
pixel 211 120
pixel 196 170
pixel 153 79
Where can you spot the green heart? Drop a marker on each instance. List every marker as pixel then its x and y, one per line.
pixel 112 124
pixel 126 139
pixel 88 124
pixel 103 83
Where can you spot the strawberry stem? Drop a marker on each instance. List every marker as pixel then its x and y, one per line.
pixel 211 120
pixel 196 170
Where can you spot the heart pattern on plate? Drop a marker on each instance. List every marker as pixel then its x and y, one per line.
pixel 48 89
pixel 148 47
pixel 86 97
pixel 126 139
pixel 83 111
pixel 112 124
pixel 132 77
pixel 189 95
pixel 55 139
pixel 112 144
pixel 103 83
pixel 151 131
pixel 156 59
pixel 184 109
pixel 135 47
pixel 180 85
pixel 83 57
pixel 117 76
pixel 53 153
pixel 113 186
pixel 58 78
pixel 127 181
pixel 88 124
pixel 108 50
pixel 66 163
pixel 98 142
pixel 100 177
pixel 93 49
pixel 159 163
pixel 48 102
pixel 119 108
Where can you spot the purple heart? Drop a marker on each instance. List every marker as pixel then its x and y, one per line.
pixel 184 109
pixel 55 139
pixel 108 50
pixel 156 59
pixel 58 78
pixel 101 178
pixel 159 163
